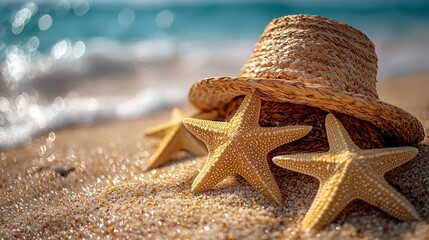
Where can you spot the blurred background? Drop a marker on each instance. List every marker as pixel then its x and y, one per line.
pixel 69 62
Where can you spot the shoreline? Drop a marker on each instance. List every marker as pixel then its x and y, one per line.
pixel 90 181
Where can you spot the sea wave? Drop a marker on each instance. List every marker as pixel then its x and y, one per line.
pixel 82 83
pixel 127 81
pixel 78 62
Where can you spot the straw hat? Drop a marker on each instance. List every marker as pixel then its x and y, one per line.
pixel 311 62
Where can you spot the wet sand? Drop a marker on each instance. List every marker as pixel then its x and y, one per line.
pixel 87 182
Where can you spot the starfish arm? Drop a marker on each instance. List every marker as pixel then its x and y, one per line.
pixel 330 200
pixel 160 130
pixel 214 171
pixel 338 138
pixel 385 197
pixel 247 115
pixel 276 136
pixel 206 131
pixel 316 165
pixel 212 115
pixel 192 144
pixel 177 115
pixel 386 159
pixel 256 171
pixel 163 153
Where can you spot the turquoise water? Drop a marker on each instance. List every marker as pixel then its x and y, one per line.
pixel 79 62
pixel 196 20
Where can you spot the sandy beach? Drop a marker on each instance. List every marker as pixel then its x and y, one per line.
pixel 88 182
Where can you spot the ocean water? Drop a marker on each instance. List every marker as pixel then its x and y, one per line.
pixel 79 62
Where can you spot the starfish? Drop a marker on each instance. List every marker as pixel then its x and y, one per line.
pixel 347 172
pixel 175 137
pixel 240 146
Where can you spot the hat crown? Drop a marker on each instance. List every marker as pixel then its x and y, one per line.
pixel 315 50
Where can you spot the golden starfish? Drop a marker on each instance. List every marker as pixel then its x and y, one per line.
pixel 347 172
pixel 240 146
pixel 175 138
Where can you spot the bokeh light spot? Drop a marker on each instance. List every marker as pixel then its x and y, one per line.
pixel 33 43
pixel 61 49
pixel 62 8
pixel 18 25
pixel 78 49
pixel 126 17
pixel 4 104
pixel 164 19
pixel 45 22
pixel 80 8
pixel 32 7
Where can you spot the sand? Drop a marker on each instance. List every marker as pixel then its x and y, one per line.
pixel 88 182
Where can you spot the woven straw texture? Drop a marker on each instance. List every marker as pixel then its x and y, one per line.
pixel 318 62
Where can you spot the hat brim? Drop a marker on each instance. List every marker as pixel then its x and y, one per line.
pixel 212 93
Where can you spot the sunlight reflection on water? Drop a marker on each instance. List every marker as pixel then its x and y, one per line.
pixel 77 62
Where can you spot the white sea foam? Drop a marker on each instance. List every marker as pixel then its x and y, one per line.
pixel 85 82
pixel 47 92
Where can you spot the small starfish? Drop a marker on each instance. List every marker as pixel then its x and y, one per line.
pixel 347 172
pixel 175 138
pixel 240 146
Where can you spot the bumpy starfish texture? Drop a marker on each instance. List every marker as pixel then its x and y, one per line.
pixel 347 172
pixel 240 146
pixel 175 138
